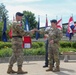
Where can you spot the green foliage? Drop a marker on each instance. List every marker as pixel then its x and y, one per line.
pixel 5 52
pixel 31 19
pixel 1 26
pixel 40 44
pixel 38 48
pixel 3 15
pixel 35 45
pixel 3 12
pixel 74 45
pixel 38 51
pixel 5 45
pixel 68 49
pixel 64 44
pixel 1 29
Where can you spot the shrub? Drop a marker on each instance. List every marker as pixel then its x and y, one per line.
pixel 74 45
pixel 37 48
pixel 5 52
pixel 68 49
pixel 40 44
pixel 35 45
pixel 64 44
pixel 41 51
pixel 74 50
pixel 5 45
pixel 38 51
pixel 28 51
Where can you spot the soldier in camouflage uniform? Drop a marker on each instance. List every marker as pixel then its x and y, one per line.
pixel 54 36
pixel 17 55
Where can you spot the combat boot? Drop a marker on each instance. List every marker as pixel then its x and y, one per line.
pixel 50 68
pixel 20 71
pixel 57 69
pixel 10 71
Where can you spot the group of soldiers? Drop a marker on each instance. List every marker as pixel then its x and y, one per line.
pixel 53 36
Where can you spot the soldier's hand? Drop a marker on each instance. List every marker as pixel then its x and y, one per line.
pixel 22 38
pixel 51 41
pixel 46 36
pixel 33 31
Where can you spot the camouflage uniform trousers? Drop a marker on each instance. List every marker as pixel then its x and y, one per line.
pixel 17 55
pixel 53 53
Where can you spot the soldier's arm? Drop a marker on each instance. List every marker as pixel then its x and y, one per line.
pixel 58 37
pixel 21 31
pixel 43 31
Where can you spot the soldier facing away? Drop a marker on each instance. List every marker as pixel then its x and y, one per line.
pixel 17 53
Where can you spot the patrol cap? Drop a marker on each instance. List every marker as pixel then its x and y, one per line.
pixel 53 21
pixel 19 14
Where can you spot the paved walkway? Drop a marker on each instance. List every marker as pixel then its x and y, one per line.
pixel 35 68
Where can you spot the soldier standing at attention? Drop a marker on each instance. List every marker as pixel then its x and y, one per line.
pixel 54 36
pixel 17 55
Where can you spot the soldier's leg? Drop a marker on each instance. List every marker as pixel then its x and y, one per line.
pixel 20 62
pixel 56 57
pixel 19 55
pixel 50 56
pixel 12 59
pixel 11 62
pixel 20 58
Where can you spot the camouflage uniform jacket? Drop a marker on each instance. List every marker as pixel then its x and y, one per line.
pixel 18 31
pixel 54 34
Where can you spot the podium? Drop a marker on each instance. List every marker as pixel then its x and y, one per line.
pixel 27 42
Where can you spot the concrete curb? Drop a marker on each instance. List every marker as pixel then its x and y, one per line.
pixel 36 58
pixel 28 58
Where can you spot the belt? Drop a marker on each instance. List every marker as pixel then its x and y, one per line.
pixel 17 36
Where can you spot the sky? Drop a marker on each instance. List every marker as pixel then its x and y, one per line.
pixel 55 9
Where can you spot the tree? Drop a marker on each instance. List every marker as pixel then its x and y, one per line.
pixel 1 23
pixel 3 12
pixel 3 15
pixel 31 19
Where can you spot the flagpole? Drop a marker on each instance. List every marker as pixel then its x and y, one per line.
pixel 72 16
pixel 56 17
pixel 62 22
pixel 38 21
pixel 46 21
pixel 38 27
pixel 46 15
